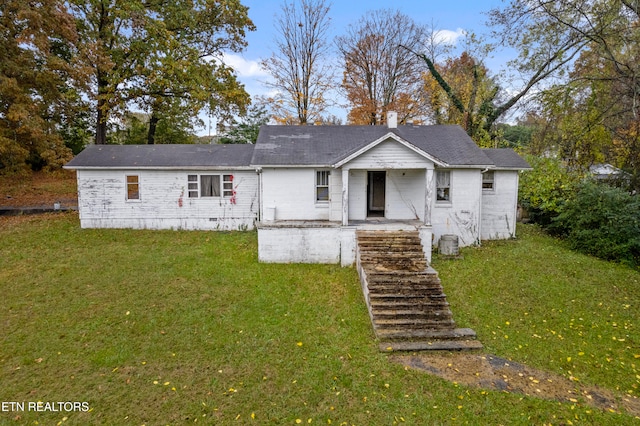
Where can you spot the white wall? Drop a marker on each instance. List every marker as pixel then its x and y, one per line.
pixel 405 193
pixel 389 154
pixel 357 194
pixel 462 215
pixel 164 201
pixel 499 207
pixel 299 245
pixel 292 192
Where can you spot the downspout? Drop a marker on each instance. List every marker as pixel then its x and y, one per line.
pixel 515 213
pixel 259 172
pixel 482 172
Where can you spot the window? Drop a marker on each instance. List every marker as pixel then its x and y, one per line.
pixel 209 185
pixel 488 181
pixel 133 187
pixel 193 186
pixel 227 185
pixel 322 185
pixel 443 187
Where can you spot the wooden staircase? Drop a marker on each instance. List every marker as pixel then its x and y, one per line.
pixel 406 302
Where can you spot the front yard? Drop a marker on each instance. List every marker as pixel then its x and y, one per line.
pixel 162 327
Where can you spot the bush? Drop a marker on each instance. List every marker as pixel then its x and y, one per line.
pixel 602 221
pixel 544 189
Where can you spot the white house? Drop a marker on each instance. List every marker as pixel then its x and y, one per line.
pixel 307 189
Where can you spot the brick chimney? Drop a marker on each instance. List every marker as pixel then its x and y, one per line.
pixel 392 119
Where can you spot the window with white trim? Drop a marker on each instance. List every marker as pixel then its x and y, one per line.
pixel 210 186
pixel 322 185
pixel 192 186
pixel 488 181
pixel 227 185
pixel 133 187
pixel 443 186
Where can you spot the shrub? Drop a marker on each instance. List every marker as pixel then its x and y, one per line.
pixel 544 189
pixel 602 221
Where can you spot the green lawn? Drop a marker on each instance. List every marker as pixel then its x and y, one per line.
pixel 162 327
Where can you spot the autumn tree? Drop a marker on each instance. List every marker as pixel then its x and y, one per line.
pixel 597 45
pixel 464 97
pixel 379 76
pixel 301 73
pixel 37 44
pixel 162 56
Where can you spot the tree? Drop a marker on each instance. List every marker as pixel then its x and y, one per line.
pixel 597 45
pixel 379 76
pixel 160 55
pixel 465 98
pixel 246 130
pixel 38 42
pixel 302 76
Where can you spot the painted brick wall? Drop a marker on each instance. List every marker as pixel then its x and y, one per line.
pixel 462 215
pixel 499 207
pixel 164 201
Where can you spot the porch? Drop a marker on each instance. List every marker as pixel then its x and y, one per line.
pixel 305 241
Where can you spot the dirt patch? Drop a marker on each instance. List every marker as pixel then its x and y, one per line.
pixel 495 373
pixel 39 189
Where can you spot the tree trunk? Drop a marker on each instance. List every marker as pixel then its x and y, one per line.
pixel 153 123
pixel 102 114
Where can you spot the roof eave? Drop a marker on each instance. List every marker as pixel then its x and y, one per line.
pixel 213 168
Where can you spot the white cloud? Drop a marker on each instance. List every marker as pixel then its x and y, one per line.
pixel 244 67
pixel 449 37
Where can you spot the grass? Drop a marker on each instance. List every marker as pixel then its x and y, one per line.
pixel 162 327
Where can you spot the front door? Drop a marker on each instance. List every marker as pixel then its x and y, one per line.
pixel 375 193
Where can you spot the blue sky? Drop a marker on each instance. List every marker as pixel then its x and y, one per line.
pixel 453 17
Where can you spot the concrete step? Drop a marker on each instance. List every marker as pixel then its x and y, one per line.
pixel 402 276
pixel 408 307
pixel 412 317
pixel 391 334
pixel 430 345
pixel 409 304
pixel 444 323
pixel 406 298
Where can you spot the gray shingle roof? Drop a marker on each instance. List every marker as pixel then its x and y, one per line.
pixel 506 158
pixel 163 156
pixel 300 146
pixel 327 145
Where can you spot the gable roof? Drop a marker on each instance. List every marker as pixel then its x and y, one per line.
pixel 290 146
pixel 328 145
pixel 506 159
pixel 195 156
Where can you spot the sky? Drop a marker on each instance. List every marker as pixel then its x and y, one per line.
pixel 453 17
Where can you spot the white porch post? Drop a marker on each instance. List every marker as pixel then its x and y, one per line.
pixel 428 196
pixel 345 197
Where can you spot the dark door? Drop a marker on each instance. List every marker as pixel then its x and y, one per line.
pixel 375 193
